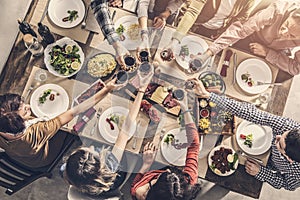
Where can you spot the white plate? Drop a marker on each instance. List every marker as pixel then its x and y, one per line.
pixel 262 137
pixel 170 153
pixel 210 160
pixel 104 127
pixel 53 108
pixel 258 70
pixel 126 21
pixel 195 45
pixel 61 42
pixel 58 9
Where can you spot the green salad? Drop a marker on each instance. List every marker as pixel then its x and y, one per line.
pixel 66 59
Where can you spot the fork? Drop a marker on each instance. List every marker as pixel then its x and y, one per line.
pixel 28 92
pixel 99 111
pixel 259 161
pixel 264 83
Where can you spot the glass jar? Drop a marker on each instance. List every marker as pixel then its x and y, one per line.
pixel 33 45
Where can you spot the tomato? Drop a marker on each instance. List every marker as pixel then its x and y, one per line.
pixel 243 136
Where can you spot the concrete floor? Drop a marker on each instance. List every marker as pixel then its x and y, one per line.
pixel 56 188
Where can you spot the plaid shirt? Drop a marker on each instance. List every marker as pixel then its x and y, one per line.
pixel 280 173
pixel 103 18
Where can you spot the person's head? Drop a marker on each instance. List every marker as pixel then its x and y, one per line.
pixel 289 144
pixel 290 29
pixel 174 184
pixel 13 112
pixel 87 171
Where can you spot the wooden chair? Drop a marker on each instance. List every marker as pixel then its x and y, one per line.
pixel 14 176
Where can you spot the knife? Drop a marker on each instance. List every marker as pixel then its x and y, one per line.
pixel 45 11
pixel 234 68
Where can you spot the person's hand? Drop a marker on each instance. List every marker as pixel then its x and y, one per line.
pixel 111 85
pixel 148 154
pixel 252 167
pixel 258 49
pixel 145 80
pixel 121 51
pixel 198 88
pixel 115 3
pixel 159 22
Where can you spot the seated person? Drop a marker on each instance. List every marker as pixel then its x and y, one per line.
pixel 283 168
pixel 211 14
pixel 103 18
pixel 170 183
pixel 36 142
pixel 217 15
pixel 98 174
pixel 270 33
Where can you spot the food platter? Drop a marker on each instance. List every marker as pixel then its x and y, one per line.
pixel 163 96
pixel 212 119
pixel 190 46
pixel 261 137
pixel 131 31
pixel 173 155
pixel 211 79
pixel 50 108
pixel 58 10
pixel 60 56
pixel 101 65
pixel 109 134
pixel 249 72
pixel 219 161
pixel 90 91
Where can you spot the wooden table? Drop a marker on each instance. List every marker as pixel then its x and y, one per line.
pixel 18 76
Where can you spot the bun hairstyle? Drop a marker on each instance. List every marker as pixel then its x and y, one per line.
pixel 89 173
pixel 173 185
pixel 10 120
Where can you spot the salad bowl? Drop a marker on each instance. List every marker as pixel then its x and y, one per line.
pixel 64 58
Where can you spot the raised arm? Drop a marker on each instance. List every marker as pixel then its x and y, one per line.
pixel 121 141
pixel 106 24
pixel 191 161
pixel 67 116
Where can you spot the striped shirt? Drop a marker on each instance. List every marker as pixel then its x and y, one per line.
pixel 102 14
pixel 279 173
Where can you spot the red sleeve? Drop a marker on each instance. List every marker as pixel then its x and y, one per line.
pixel 137 178
pixel 191 162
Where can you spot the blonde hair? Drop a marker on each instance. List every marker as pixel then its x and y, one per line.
pixel 88 172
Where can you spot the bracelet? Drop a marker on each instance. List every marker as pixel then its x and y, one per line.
pixel 143 31
pixel 188 110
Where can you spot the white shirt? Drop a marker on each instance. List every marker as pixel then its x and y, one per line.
pixel 222 13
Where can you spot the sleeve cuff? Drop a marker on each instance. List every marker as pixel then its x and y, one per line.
pixel 113 38
pixel 178 36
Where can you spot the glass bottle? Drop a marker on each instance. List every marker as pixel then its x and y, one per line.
pixel 33 45
pixel 45 33
pixel 25 28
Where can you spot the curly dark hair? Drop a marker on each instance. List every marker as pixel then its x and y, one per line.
pixel 174 185
pixel 10 120
pixel 292 142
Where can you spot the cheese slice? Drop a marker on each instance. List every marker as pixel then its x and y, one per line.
pixel 159 95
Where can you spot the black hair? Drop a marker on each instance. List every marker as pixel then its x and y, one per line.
pixel 292 148
pixel 174 185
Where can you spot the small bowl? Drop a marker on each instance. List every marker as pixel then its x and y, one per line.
pixel 203 103
pixel 204 113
